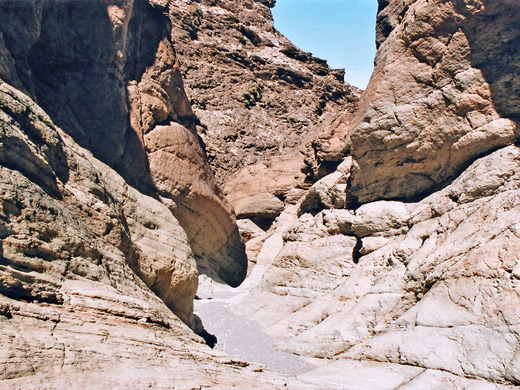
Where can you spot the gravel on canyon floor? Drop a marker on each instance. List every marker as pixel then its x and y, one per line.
pixel 239 335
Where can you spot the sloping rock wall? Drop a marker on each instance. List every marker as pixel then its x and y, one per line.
pixel 92 272
pixel 434 103
pixel 397 269
pixel 107 74
pixel 421 292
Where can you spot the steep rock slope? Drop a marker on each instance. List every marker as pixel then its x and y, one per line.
pixel 255 93
pixel 267 110
pixel 90 272
pixel 98 249
pixel 116 88
pixel 416 294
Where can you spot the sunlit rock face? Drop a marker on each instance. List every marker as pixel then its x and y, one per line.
pixel 410 272
pixel 436 100
pixel 255 93
pixel 386 240
pixel 107 203
pixel 267 110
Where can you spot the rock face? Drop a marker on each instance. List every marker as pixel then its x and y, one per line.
pixel 103 220
pixel 255 93
pixel 435 103
pixel 393 288
pixel 116 88
pixel 91 272
pixel 386 242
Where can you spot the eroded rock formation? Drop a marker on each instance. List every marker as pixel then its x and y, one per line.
pixel 435 103
pixel 116 89
pixel 255 93
pixel 402 263
pixel 109 207
pixel 386 241
pixel 92 272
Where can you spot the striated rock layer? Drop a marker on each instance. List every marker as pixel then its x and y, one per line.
pixel 106 72
pixel 91 272
pixel 392 261
pixel 108 206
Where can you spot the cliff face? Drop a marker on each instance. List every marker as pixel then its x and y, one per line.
pixel 255 93
pixel 267 110
pixel 404 261
pixel 108 206
pixel 116 88
pixel 437 98
pixel 386 239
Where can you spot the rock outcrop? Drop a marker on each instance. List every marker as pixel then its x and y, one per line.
pixel 92 272
pixel 435 101
pixel 255 93
pixel 399 268
pixel 116 88
pixel 108 206
pixel 386 241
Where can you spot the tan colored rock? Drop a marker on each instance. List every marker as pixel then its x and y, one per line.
pixel 248 229
pixel 260 191
pixel 92 272
pixel 328 192
pixel 179 169
pixel 181 173
pixel 434 287
pixel 429 109
pixel 380 217
pixel 256 94
pixel 96 216
pixel 421 292
pixel 127 83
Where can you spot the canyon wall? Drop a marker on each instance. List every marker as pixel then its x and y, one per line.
pixel 107 74
pixel 255 93
pixel 267 110
pixel 384 227
pixel 109 209
pixel 436 101
pixel 400 268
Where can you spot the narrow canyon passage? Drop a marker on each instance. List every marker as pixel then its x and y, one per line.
pixel 376 235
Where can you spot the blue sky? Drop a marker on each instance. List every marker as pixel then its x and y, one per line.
pixel 339 31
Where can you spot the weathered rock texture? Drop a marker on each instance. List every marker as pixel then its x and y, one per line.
pixel 90 272
pixel 417 287
pixel 255 93
pixel 393 258
pixel 99 243
pixel 106 72
pixel 437 98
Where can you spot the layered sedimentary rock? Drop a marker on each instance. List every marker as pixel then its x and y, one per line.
pixel 107 201
pixel 263 104
pixel 392 259
pixel 107 74
pixel 92 272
